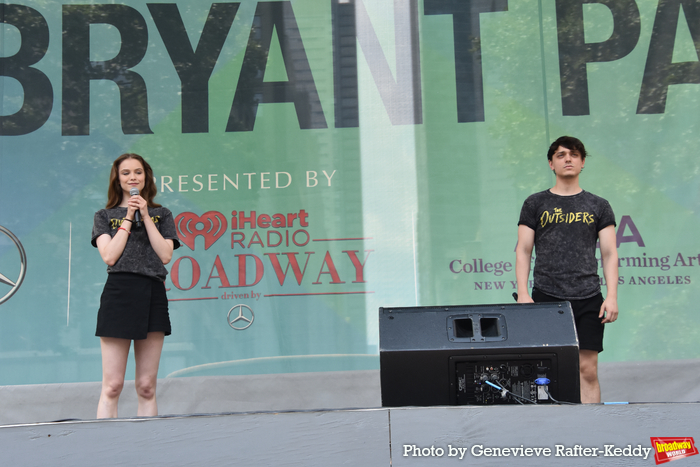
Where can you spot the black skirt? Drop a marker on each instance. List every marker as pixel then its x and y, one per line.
pixel 131 306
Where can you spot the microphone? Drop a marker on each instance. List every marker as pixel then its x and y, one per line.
pixel 137 215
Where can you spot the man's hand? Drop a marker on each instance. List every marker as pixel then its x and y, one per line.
pixel 608 311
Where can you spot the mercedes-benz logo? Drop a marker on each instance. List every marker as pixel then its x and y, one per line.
pixel 4 280
pixel 243 319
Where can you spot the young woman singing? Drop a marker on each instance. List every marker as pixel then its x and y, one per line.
pixel 136 238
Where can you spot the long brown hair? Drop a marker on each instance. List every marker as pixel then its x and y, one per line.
pixel 115 193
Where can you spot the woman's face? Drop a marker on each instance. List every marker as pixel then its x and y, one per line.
pixel 131 175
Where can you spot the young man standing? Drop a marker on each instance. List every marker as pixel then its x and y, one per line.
pixel 563 224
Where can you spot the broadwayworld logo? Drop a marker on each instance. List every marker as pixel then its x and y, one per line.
pixel 668 449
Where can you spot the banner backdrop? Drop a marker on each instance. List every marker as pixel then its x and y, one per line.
pixel 324 158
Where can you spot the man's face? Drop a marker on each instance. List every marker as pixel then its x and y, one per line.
pixel 566 162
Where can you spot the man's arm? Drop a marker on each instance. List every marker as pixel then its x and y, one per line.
pixel 608 253
pixel 523 257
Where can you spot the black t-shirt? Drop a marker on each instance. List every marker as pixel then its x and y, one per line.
pixel 138 256
pixel 566 232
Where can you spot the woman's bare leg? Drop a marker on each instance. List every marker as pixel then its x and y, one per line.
pixel 147 352
pixel 114 355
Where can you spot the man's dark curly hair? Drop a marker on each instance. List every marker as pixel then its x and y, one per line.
pixel 570 143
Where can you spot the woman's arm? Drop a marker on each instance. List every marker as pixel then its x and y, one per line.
pixel 111 248
pixel 163 247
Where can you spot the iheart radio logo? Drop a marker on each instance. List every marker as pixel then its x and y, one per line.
pixel 210 225
pixel 668 449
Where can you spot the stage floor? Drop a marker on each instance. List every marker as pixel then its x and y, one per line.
pixel 576 435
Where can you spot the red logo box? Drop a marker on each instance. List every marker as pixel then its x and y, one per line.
pixel 670 449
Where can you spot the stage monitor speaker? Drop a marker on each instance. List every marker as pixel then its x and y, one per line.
pixel 468 355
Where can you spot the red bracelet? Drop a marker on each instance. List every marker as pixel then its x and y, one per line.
pixel 122 228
